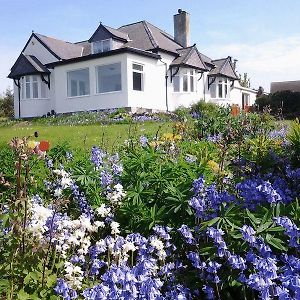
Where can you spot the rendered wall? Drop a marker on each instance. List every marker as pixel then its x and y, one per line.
pixel 94 101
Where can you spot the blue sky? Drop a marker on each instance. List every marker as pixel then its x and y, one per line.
pixel 264 35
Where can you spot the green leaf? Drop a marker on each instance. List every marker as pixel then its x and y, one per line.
pixel 210 223
pixel 275 229
pixel 275 242
pixel 22 295
pixel 51 280
pixel 255 221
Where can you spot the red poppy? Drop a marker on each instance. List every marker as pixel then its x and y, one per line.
pixel 44 145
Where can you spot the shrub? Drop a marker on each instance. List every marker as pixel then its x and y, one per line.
pixel 283 103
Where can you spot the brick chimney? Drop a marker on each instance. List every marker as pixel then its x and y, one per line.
pixel 182 28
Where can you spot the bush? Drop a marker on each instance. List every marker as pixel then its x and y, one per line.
pixel 7 104
pixel 283 103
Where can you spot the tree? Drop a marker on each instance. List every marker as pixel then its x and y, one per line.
pixel 260 92
pixel 245 80
pixel 7 104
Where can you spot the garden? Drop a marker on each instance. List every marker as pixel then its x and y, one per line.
pixel 205 208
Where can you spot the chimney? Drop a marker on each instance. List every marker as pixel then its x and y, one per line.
pixel 182 28
pixel 234 64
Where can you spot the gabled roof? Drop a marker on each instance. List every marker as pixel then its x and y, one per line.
pixel 223 68
pixel 143 35
pixel 27 65
pixel 61 49
pixel 111 32
pixel 189 57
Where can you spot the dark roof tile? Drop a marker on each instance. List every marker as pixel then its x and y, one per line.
pixel 65 50
pixel 26 65
pixel 223 68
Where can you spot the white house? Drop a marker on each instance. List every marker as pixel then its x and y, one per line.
pixel 137 66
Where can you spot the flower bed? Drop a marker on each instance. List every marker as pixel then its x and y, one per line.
pixel 203 212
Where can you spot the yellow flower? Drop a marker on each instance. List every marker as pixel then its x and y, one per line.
pixel 32 144
pixel 214 166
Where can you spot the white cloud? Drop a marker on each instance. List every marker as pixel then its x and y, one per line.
pixel 274 60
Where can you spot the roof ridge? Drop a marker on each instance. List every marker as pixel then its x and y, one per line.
pixel 131 24
pixel 150 34
pixel 188 55
pixel 224 63
pixel 54 38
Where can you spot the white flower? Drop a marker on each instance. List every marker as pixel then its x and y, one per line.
pixel 157 244
pixel 66 182
pixel 57 192
pixel 129 246
pixel 103 211
pixel 115 227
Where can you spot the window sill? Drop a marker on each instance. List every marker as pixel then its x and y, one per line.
pixel 76 97
pixel 184 93
pixel 105 93
pixel 38 99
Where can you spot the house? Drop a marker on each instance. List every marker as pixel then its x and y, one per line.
pixel 293 86
pixel 137 66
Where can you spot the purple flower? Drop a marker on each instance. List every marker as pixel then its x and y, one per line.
pixel 187 234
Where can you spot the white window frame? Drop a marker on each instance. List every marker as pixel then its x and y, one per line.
pixel 101 45
pixel 221 84
pixel 24 84
pixel 189 74
pixel 142 72
pixel 97 79
pixel 78 88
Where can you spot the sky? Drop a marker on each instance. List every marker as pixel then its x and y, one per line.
pixel 264 35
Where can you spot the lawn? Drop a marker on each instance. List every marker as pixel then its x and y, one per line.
pixel 84 136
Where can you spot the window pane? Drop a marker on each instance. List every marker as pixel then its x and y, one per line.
pixel 109 78
pixel 28 90
pixel 213 91
pixel 137 81
pixel 176 83
pixel 106 45
pixel 97 47
pixel 22 88
pixel 137 67
pixel 185 83
pixel 220 91
pixel 35 89
pixel 226 90
pixel 44 90
pixel 192 83
pixel 78 83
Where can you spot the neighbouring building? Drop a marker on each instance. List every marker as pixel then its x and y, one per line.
pixel 137 66
pixel 292 86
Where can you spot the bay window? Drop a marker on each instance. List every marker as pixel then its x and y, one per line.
pixel 109 78
pixel 78 83
pixel 220 88
pixel 184 81
pixel 138 77
pixel 32 87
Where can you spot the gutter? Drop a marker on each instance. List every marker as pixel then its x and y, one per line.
pixel 104 54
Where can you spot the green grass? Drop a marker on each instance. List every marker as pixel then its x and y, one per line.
pixel 84 136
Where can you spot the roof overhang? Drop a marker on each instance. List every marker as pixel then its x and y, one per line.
pixel 27 65
pixel 105 54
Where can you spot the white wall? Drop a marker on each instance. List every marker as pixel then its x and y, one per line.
pixel 35 48
pixel 153 94
pixel 94 101
pixel 30 107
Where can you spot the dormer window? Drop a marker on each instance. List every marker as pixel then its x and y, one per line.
pixel 101 46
